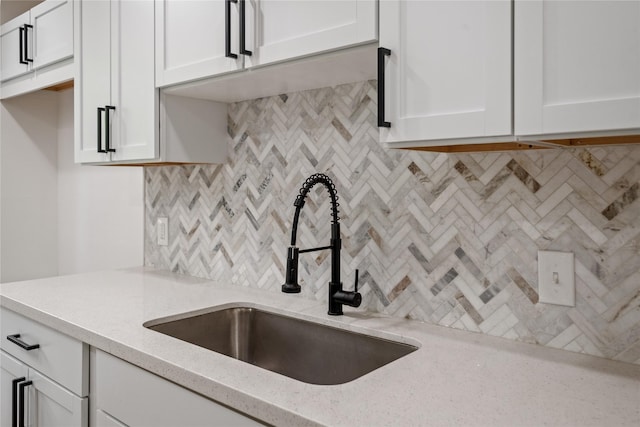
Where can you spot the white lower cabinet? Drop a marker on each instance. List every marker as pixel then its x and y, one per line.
pixel 102 419
pixel 125 395
pixel 31 399
pixel 43 375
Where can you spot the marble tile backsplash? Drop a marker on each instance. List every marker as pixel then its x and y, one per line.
pixel 449 239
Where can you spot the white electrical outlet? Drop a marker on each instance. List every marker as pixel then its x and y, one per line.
pixel 556 278
pixel 162 230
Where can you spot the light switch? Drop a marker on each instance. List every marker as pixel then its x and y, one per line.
pixel 162 230
pixel 556 278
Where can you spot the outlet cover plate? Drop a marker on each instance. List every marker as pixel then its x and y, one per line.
pixel 556 278
pixel 162 230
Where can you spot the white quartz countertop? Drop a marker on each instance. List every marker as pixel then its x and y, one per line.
pixel 455 378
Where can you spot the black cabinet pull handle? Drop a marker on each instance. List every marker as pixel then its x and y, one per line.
pixel 382 52
pixel 23 386
pixel 17 341
pixel 26 42
pixel 107 137
pixel 100 111
pixel 14 401
pixel 22 43
pixel 243 22
pixel 227 29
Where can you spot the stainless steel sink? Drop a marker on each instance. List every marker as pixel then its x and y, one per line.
pixel 305 351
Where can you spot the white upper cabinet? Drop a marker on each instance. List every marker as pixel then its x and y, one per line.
pixel 117 96
pixel 193 37
pixel 52 37
pixel 278 30
pixel 36 48
pixel 575 70
pixel 447 76
pixel 120 115
pixel 12 38
pixel 577 66
pixel 200 39
pixel 93 85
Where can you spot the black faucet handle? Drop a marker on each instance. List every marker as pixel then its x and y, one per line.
pixel 353 299
pixel 355 285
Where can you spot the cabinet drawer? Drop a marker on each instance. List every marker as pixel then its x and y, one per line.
pixel 139 398
pixel 105 420
pixel 59 357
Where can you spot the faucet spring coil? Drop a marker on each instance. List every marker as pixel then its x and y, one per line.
pixel 320 178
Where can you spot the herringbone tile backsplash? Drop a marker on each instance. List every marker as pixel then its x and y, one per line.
pixel 450 239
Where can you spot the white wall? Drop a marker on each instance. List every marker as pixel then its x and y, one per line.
pixel 100 208
pixel 57 217
pixel 28 188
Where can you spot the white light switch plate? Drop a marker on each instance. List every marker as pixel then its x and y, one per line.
pixel 162 230
pixel 556 278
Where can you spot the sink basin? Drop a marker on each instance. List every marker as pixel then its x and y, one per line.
pixel 303 350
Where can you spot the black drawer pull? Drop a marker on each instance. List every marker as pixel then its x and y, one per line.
pixel 26 42
pixel 243 30
pixel 107 136
pixel 382 52
pixel 17 341
pixel 22 41
pixel 227 29
pixel 21 406
pixel 14 401
pixel 100 111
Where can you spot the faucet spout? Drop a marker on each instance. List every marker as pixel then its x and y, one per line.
pixel 337 296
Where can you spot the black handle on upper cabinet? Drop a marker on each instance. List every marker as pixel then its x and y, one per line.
pixel 21 39
pixel 227 29
pixel 26 42
pixel 243 22
pixel 14 401
pixel 17 341
pixel 22 386
pixel 382 52
pixel 100 111
pixel 107 137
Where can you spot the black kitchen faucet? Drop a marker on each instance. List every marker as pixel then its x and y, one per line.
pixel 337 296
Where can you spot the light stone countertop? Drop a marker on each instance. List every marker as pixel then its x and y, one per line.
pixel 455 378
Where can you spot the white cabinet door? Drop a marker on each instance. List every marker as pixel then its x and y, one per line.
pixel 191 37
pixel 449 71
pixel 577 66
pixel 52 38
pixel 277 30
pixel 46 404
pixel 116 99
pixel 13 63
pixel 10 370
pixel 93 85
pixel 133 93
pixel 50 405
